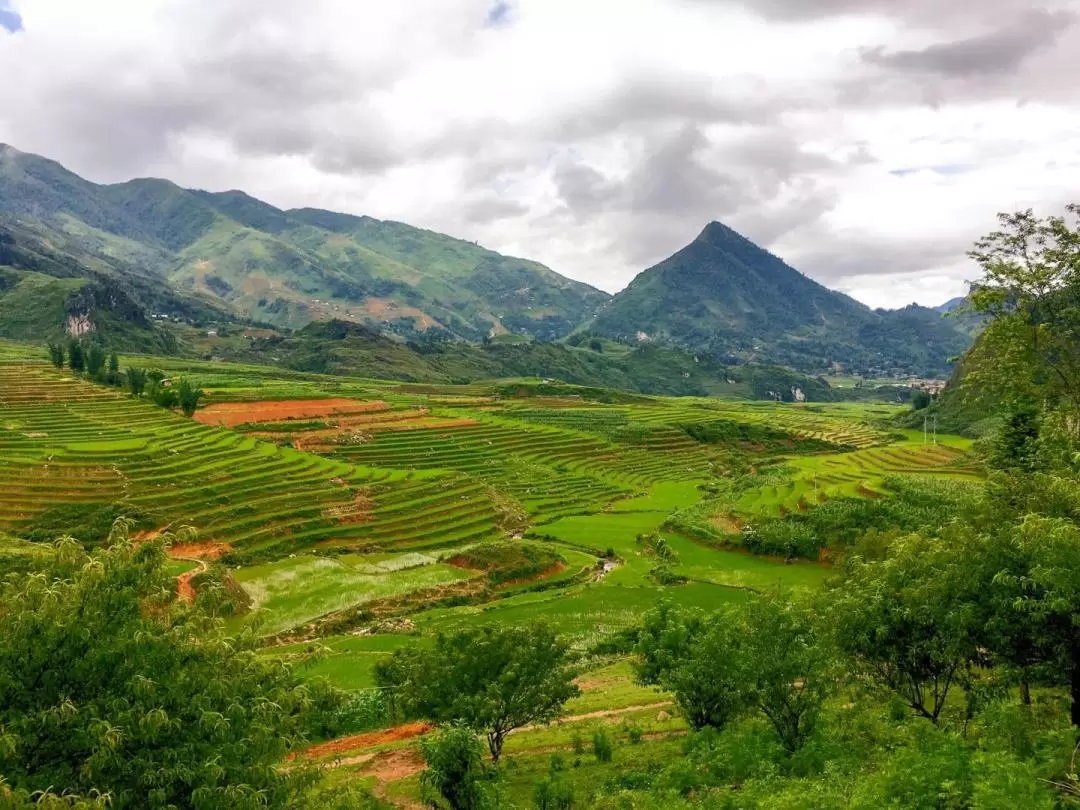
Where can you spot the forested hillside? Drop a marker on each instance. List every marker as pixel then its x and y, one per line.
pixel 288 267
pixel 724 295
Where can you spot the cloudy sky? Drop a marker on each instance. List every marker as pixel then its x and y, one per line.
pixel 867 142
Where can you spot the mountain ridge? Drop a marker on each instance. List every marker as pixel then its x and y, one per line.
pixel 183 250
pixel 725 295
pixel 283 267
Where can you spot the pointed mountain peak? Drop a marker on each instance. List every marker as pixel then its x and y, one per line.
pixel 718 234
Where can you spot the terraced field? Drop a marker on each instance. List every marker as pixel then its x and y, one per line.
pixel 858 474
pixel 65 441
pixel 339 501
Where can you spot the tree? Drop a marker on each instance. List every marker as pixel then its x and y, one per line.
pixel 188 396
pixel 1034 599
pixel 56 354
pixel 786 667
pixel 493 680
pixel 455 770
pixel 95 361
pixel 910 621
pixel 920 400
pixel 114 363
pixel 696 658
pixel 1031 292
pixel 136 380
pixel 164 396
pixel 108 684
pixel 76 356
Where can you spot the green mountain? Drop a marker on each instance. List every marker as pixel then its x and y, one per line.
pixel 725 296
pixel 289 268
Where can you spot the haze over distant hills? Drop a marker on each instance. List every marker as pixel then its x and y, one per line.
pixel 119 254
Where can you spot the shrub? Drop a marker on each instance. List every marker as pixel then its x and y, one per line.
pixel 601 745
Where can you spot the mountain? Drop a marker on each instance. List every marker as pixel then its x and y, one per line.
pixel 725 296
pixel 950 305
pixel 288 268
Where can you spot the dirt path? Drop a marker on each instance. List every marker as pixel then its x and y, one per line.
pixel 184 589
pixel 197 553
pixel 368 739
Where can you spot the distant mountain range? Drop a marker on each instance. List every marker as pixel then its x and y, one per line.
pixel 78 255
pixel 724 295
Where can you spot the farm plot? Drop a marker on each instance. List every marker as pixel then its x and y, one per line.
pixel 67 443
pixel 289 592
pixel 858 474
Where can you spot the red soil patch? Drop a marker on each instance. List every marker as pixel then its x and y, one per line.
pixel 198 551
pixel 366 740
pixel 185 591
pixel 230 414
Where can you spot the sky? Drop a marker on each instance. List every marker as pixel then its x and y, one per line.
pixel 866 142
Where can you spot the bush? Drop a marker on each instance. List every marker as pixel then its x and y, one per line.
pixel 601 745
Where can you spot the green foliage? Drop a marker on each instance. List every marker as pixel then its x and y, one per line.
pixel 107 686
pixel 764 655
pixel 56 354
pixel 695 659
pixel 914 504
pixel 188 395
pixel 95 360
pixel 91 523
pixel 908 621
pixel 162 395
pixel 601 746
pixel 920 400
pixel 136 381
pixel 508 562
pixel 76 356
pixel 494 679
pixel 456 776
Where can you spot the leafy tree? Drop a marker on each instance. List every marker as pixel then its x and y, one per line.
pixel 910 621
pixel 920 400
pixel 56 354
pixel 95 361
pixel 456 775
pixel 1015 444
pixel 114 363
pixel 109 686
pixel 164 396
pixel 1034 596
pixel 493 680
pixel 697 659
pixel 1031 292
pixel 188 396
pixel 76 356
pixel 786 666
pixel 136 381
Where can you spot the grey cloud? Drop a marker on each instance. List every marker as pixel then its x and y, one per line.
pixel 934 13
pixel 1001 51
pixel 685 179
pixel 830 257
pixel 678 97
pixel 583 189
pixel 490 208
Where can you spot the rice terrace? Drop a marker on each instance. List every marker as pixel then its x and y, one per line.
pixel 358 517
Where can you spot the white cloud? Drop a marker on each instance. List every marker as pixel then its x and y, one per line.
pixel 597 137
